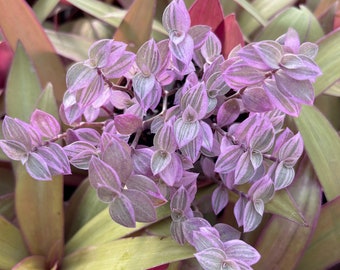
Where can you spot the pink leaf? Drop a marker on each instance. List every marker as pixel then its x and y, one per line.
pixel 229 32
pixel 270 52
pixel 251 218
pixel 244 169
pixel 212 10
pixel 228 112
pixel 122 212
pixel 127 124
pixel 176 17
pixel 255 99
pixel 119 67
pixel 14 150
pixel 45 123
pixel 284 176
pixel 228 159
pixel 148 58
pixel 37 167
pixel 12 129
pixel 159 161
pixel 185 131
pixel 241 251
pixel 173 173
pixel 219 199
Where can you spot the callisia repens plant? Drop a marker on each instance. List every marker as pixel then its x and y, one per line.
pixel 150 126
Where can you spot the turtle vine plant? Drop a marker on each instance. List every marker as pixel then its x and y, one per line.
pixel 142 124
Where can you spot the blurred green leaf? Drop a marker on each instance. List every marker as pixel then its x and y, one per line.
pixel 23 25
pixel 47 101
pixel 43 8
pixel 284 205
pixel 323 6
pixel 109 14
pixel 7 206
pixel 322 144
pixel 128 253
pixel 301 19
pixel 7 181
pixel 31 263
pixel 135 29
pixel 323 250
pixel 282 242
pixel 90 235
pixel 266 9
pixel 334 90
pixel 68 45
pixel 252 11
pixel 83 206
pixel 12 246
pixel 22 83
pixel 328 59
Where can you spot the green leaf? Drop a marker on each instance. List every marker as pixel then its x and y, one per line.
pixel 23 25
pixel 43 8
pixel 47 102
pixel 83 206
pixel 90 235
pixel 109 14
pixel 252 11
pixel 323 250
pixel 31 263
pixel 22 85
pixel 12 246
pixel 68 45
pixel 322 144
pixel 334 90
pixel 135 29
pixel 128 253
pixel 302 20
pixel 7 181
pixel 328 60
pixel 284 205
pixel 266 9
pixel 7 206
pixel 286 239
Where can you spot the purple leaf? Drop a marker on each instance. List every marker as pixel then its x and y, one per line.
pixel 270 53
pixel 37 167
pixel 99 53
pixel 206 237
pixel 239 209
pixel 145 185
pixel 280 100
pixel 176 17
pixel 180 200
pixel 228 112
pixel 191 225
pixel 291 150
pixel 165 138
pixel 309 49
pixel 227 232
pixel 77 147
pixel 251 218
pixel 228 159
pixel 211 48
pixel 79 76
pixel 300 67
pixel 197 98
pixel 88 135
pixel 143 85
pixel 142 206
pixel 240 251
pixel 249 55
pixel 45 123
pixel 283 176
pixel 106 194
pixel 141 159
pixel 240 74
pixel 55 158
pixel 214 258
pixel 120 99
pixel 256 159
pixel 300 91
pixel 71 114
pixel 199 34
pixel 14 150
pixel 148 58
pixel 159 161
pixel 244 169
pixel 119 67
pixel 255 99
pixel 186 131
pixel 262 189
pixel 121 211
pixel 183 50
pixel 207 136
pixel 82 160
pixel 219 199
pixel 116 153
pixel 101 174
pixel 192 149
pixel 127 124
pixel 292 40
pixel 12 129
pixel 262 138
pixel 173 172
pixel 176 230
